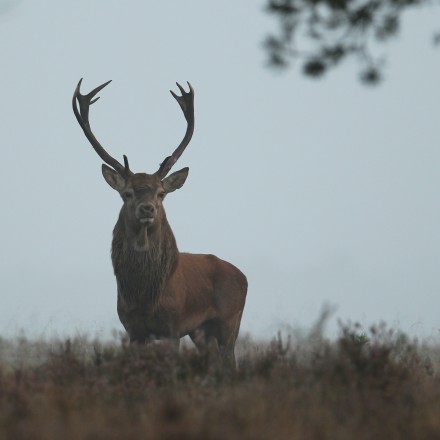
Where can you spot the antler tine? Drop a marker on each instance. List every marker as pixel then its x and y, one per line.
pixel 82 115
pixel 186 102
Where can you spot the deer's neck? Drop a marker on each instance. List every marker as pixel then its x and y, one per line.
pixel 143 262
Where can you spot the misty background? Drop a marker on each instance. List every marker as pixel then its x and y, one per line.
pixel 321 192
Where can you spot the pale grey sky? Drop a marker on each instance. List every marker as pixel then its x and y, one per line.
pixel 321 192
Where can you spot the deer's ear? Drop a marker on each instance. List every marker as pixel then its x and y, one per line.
pixel 113 178
pixel 175 181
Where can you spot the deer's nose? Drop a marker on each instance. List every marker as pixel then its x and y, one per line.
pixel 146 210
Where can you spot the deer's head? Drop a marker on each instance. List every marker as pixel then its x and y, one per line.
pixel 141 193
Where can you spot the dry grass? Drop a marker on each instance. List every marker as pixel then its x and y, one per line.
pixel 377 385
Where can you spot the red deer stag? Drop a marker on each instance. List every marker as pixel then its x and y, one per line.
pixel 162 293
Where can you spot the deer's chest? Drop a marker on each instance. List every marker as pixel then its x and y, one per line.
pixel 146 321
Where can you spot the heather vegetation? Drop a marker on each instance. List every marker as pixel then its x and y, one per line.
pixel 366 384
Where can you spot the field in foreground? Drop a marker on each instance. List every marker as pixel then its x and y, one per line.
pixel 373 385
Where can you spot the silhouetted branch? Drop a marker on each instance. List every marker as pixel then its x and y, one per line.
pixel 322 33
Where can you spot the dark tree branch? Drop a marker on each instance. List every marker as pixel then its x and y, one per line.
pixel 322 33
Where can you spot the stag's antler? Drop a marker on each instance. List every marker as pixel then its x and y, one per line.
pixel 82 115
pixel 186 102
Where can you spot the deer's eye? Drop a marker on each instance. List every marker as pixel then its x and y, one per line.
pixel 161 195
pixel 128 194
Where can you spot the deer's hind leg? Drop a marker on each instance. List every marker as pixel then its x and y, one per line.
pixel 227 335
pixel 217 337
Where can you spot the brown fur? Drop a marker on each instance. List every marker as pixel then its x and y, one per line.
pixel 163 293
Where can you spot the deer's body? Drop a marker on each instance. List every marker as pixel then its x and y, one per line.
pixel 163 293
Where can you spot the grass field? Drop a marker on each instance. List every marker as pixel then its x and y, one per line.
pixel 365 385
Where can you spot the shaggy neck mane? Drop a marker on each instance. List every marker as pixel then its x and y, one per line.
pixel 141 275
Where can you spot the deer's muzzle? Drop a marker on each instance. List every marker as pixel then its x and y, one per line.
pixel 145 213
